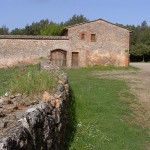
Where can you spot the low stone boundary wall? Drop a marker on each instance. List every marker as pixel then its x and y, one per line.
pixel 42 127
pixel 18 49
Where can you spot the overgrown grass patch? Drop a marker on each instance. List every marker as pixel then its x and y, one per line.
pixel 26 80
pixel 32 82
pixel 99 122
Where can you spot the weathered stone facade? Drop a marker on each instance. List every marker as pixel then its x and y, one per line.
pixel 92 43
pixel 111 45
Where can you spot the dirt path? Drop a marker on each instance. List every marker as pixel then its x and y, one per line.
pixel 143 84
pixel 139 83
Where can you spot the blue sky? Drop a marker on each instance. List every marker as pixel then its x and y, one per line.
pixel 19 13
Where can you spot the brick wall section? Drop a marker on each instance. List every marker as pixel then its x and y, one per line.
pixel 14 50
pixel 111 46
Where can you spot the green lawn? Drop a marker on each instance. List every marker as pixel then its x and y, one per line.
pixel 97 113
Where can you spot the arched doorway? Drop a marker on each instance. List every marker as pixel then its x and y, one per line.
pixel 58 57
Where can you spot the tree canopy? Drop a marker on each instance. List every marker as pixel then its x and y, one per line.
pixel 75 19
pixel 140 41
pixel 46 27
pixel 4 30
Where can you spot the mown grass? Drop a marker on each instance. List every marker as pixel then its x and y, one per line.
pixel 97 119
pixel 26 80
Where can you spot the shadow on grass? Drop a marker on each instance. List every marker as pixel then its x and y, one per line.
pixel 72 123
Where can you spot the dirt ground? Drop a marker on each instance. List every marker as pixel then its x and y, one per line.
pixel 139 83
pixel 142 87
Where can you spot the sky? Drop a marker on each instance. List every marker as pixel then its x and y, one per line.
pixel 19 13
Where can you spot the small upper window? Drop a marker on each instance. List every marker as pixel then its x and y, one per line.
pixel 93 37
pixel 82 36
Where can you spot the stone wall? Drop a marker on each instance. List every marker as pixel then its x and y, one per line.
pixel 29 49
pixel 42 127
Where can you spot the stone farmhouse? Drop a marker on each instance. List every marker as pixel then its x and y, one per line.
pixel 97 42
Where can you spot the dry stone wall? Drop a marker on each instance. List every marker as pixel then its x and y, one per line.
pixel 43 126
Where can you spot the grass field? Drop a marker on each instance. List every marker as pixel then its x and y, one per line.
pixel 100 114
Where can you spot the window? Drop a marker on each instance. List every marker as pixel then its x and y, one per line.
pixel 82 36
pixel 93 37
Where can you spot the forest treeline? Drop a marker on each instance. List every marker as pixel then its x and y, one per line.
pixel 44 27
pixel 139 42
pixel 139 39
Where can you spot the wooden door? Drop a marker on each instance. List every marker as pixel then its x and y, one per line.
pixel 58 57
pixel 75 59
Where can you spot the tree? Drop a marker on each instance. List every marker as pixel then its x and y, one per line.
pixel 17 31
pixel 140 50
pixel 76 19
pixel 52 29
pixel 4 30
pixel 35 27
pixel 140 41
pixel 44 27
pixel 144 24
